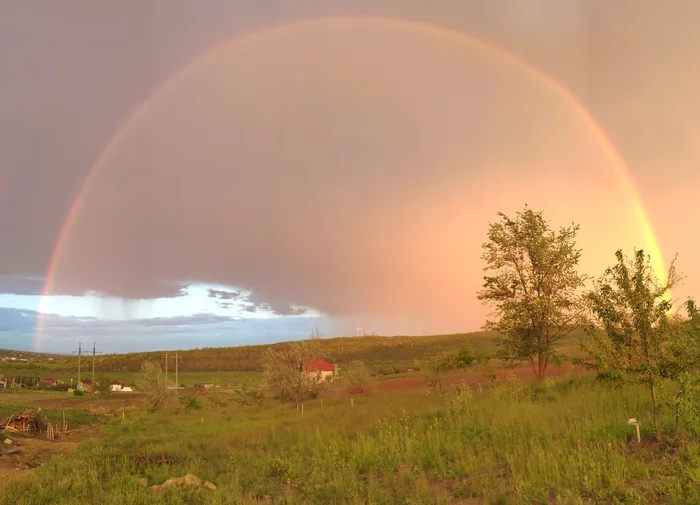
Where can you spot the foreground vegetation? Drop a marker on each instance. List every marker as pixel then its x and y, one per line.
pixel 565 440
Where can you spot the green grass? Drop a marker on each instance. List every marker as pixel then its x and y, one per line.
pixel 567 439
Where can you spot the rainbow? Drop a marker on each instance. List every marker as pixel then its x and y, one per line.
pixel 450 35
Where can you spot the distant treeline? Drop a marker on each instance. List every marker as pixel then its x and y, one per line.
pixel 382 354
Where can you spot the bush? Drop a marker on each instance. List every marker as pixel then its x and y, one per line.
pixel 248 395
pixel 77 392
pixel 190 402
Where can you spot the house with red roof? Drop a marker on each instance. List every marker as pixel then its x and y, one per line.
pixel 49 381
pixel 319 369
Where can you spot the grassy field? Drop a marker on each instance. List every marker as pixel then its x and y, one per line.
pixel 566 442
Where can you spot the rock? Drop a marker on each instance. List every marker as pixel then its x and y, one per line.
pixel 188 480
pixel 172 482
pixel 209 485
pixel 8 441
pixel 192 480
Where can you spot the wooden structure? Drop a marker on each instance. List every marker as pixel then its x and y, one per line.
pixel 27 422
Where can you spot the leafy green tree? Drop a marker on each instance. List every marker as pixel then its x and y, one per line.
pixel 152 384
pixel 533 287
pixel 102 387
pixel 357 377
pixel 681 365
pixel 631 336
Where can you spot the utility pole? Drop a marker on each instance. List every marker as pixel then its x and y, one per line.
pixel 177 384
pixel 93 363
pixel 166 371
pixel 80 352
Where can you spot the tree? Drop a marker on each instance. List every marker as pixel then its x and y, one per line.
pixel 534 287
pixel 632 331
pixel 681 362
pixel 102 387
pixel 357 377
pixel 284 368
pixel 152 383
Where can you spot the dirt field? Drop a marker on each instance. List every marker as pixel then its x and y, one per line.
pixel 35 450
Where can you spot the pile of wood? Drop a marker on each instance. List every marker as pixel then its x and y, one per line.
pixel 27 422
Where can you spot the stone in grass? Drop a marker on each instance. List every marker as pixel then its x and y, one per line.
pixel 188 480
pixel 209 485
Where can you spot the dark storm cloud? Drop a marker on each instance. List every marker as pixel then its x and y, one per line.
pixel 21 285
pixel 223 295
pixel 61 334
pixel 321 192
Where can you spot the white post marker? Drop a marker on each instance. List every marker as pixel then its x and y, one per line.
pixel 633 421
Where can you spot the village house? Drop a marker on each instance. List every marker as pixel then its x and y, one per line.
pixel 49 381
pixel 319 370
pixel 116 386
pixel 85 385
pixel 119 386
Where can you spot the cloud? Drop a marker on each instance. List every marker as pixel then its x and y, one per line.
pixel 21 285
pixel 223 295
pixel 61 334
pixel 350 168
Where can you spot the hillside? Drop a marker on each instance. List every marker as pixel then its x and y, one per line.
pixel 9 354
pixel 384 355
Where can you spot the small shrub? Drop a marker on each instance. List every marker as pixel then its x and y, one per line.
pixel 248 395
pixel 190 402
pixel 77 392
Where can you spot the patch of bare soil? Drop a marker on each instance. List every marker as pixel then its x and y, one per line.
pixel 33 451
pixel 474 378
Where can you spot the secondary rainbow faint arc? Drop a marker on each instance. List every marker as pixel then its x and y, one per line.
pixel 437 31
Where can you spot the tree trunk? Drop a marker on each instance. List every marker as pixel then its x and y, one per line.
pixel 541 366
pixel 679 397
pixel 655 407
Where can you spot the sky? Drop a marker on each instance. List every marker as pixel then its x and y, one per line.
pixel 179 174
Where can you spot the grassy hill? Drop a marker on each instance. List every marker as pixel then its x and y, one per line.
pixel 383 355
pixel 8 354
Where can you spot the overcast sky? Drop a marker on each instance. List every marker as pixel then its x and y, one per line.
pixel 258 165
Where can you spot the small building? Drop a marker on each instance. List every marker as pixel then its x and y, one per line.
pixel 319 370
pixel 116 386
pixel 49 381
pixel 204 385
pixel 84 385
